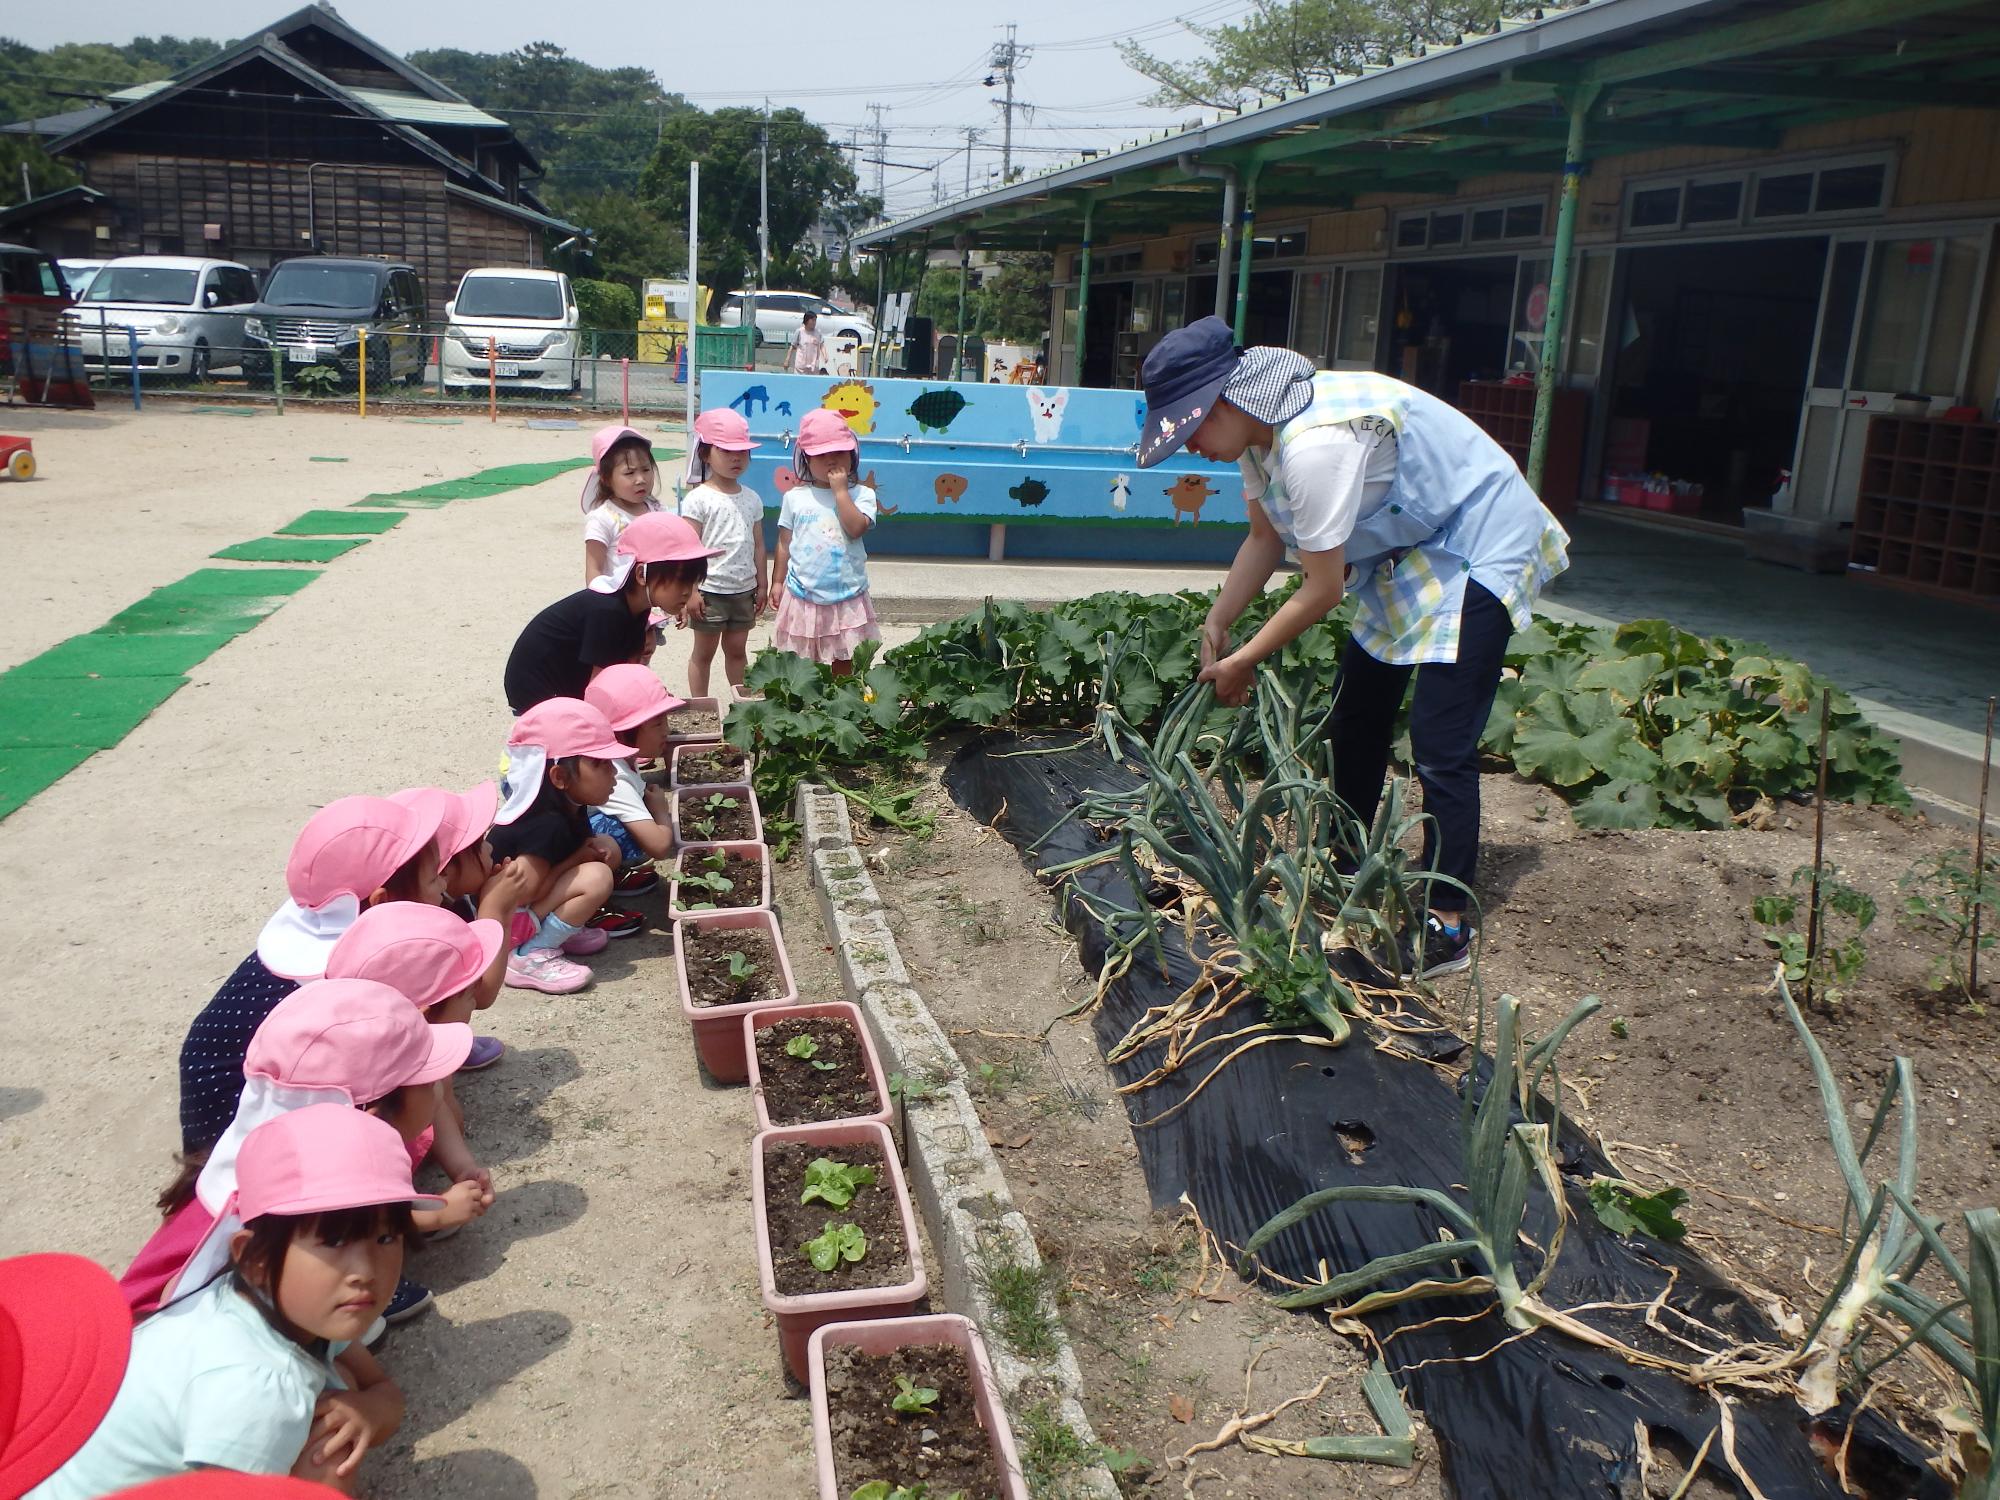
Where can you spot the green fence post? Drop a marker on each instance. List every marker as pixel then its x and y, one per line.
pixel 1246 247
pixel 1082 297
pixel 593 367
pixel 131 353
pixel 1580 102
pixel 278 375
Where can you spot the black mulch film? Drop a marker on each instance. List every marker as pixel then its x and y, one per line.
pixel 1538 1418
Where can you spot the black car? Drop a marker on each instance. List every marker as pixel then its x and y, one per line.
pixel 316 307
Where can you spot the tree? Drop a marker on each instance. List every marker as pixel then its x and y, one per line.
pixel 810 180
pixel 1296 44
pixel 628 242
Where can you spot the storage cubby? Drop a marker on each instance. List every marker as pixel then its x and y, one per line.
pixel 1507 414
pixel 1928 514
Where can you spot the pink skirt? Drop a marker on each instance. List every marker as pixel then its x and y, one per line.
pixel 824 632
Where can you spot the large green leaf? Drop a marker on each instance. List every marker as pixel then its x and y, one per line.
pixel 980 705
pixel 1619 804
pixel 1569 741
pixel 1626 678
pixel 1697 748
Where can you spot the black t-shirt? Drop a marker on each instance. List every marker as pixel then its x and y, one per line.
pixel 212 1055
pixel 553 828
pixel 554 655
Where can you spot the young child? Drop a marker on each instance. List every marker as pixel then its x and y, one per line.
pixel 65 1336
pixel 559 762
pixel 657 563
pixel 260 1369
pixel 635 815
pixel 727 515
pixel 820 574
pixel 355 1042
pixel 615 493
pixel 353 853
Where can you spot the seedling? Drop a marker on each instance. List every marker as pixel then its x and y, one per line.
pixel 1626 1208
pixel 881 1489
pixel 707 880
pixel 835 1183
pixel 913 1399
pixel 1941 897
pixel 836 1243
pixel 1779 912
pixel 804 1047
pixel 717 803
pixel 741 969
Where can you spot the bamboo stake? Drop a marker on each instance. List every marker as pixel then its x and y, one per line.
pixel 1819 847
pixel 1979 854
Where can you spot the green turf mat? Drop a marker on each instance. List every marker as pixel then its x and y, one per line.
pixel 489 481
pixel 395 502
pixel 437 421
pixel 98 655
pixel 210 601
pixel 25 772
pixel 337 523
pixel 318 460
pixel 224 411
pixel 93 713
pixel 290 549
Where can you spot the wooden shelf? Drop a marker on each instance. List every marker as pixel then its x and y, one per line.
pixel 1927 518
pixel 1507 415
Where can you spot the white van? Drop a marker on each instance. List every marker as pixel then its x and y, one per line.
pixel 527 319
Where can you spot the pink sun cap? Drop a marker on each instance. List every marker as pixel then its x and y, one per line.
pixel 724 428
pixel 425 953
pixel 463 817
pixel 823 431
pixel 324 1158
pixel 569 726
pixel 629 695
pixel 356 1035
pixel 346 852
pixel 658 537
pixel 602 442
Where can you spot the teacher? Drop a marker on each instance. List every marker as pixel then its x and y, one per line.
pixel 1386 492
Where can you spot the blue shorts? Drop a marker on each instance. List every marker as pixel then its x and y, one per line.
pixel 602 822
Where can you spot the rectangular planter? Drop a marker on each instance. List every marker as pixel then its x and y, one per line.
pixel 709 705
pixel 701 747
pixel 740 790
pixel 844 1010
pixel 798 1316
pixel 718 1029
pixel 761 853
pixel 885 1336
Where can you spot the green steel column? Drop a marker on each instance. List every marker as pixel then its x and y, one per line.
pixel 1246 246
pixel 1082 294
pixel 1580 101
pixel 964 271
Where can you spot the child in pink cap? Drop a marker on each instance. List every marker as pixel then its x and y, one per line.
pixel 820 574
pixel 560 762
pixel 260 1368
pixel 352 854
pixel 355 1042
pixel 729 515
pixel 618 491
pixel 635 815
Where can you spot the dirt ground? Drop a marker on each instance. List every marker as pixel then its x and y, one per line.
pixel 599 1333
pixel 1707 1088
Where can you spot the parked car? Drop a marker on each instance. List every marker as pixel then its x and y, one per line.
pixel 186 314
pixel 316 307
pixel 518 326
pixel 78 273
pixel 33 298
pixel 780 313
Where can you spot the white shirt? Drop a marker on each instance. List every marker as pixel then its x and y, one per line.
pixel 729 522
pixel 627 802
pixel 827 565
pixel 1327 473
pixel 808 351
pixel 210 1384
pixel 607 521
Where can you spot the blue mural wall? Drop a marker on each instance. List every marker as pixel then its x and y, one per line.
pixel 950 459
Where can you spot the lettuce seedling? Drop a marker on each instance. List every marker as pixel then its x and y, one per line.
pixel 834 1183
pixel 741 970
pixel 912 1399
pixel 836 1243
pixel 806 1048
pixel 881 1489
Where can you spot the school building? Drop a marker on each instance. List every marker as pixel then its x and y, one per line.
pixel 1682 247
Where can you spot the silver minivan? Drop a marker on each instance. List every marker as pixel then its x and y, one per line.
pixel 185 313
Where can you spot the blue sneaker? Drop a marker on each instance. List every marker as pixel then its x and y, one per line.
pixel 410 1299
pixel 485 1053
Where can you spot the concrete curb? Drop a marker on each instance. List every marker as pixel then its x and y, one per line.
pixel 960 1189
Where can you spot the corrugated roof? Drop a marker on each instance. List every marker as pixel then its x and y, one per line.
pixel 406 109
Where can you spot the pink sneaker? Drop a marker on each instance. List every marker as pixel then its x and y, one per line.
pixel 546 970
pixel 586 941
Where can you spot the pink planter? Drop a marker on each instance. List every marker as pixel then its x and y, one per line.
pixel 718 1029
pixel 840 1010
pixel 707 737
pixel 884 1337
pixel 760 853
pixel 693 748
pixel 799 1315
pixel 739 790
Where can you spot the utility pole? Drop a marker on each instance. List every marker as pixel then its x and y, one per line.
pixel 971 136
pixel 881 148
pixel 1007 57
pixel 764 202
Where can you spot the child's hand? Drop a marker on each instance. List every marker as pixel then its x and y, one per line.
pixel 837 478
pixel 763 602
pixel 605 850
pixel 345 1420
pixel 697 609
pixel 507 887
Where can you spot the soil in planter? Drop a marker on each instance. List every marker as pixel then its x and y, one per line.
pixel 945 1450
pixel 746 877
pixel 694 723
pixel 723 825
pixel 706 952
pixel 873 1210
pixel 796 1091
pixel 722 766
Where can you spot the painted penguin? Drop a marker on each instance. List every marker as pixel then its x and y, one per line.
pixel 1121 491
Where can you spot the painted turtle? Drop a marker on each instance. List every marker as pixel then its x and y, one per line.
pixel 937 410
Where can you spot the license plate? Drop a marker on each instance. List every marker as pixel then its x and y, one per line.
pixel 302 356
pixel 510 367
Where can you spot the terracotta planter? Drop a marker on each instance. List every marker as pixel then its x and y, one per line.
pixel 701 747
pixel 718 1029
pixel 884 1336
pixel 708 737
pixel 799 1315
pixel 761 853
pixel 739 790
pixel 840 1010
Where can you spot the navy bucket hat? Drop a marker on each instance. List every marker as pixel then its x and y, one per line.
pixel 1183 375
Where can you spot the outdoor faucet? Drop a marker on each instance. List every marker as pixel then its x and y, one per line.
pixel 1021 446
pixel 905 441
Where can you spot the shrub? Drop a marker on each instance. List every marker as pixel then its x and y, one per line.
pixel 606 304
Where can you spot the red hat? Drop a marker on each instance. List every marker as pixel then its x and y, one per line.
pixel 65 1333
pixel 225 1484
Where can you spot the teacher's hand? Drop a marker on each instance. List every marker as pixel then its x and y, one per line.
pixel 1214 641
pixel 1233 678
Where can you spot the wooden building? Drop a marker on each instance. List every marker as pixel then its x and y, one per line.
pixel 304 137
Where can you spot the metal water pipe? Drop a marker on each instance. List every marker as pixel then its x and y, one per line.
pixel 1231 180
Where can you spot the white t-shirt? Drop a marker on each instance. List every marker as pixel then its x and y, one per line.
pixel 808 351
pixel 627 802
pixel 210 1384
pixel 607 521
pixel 1325 477
pixel 827 565
pixel 729 522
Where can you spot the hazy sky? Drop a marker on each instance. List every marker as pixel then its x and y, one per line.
pixel 920 59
